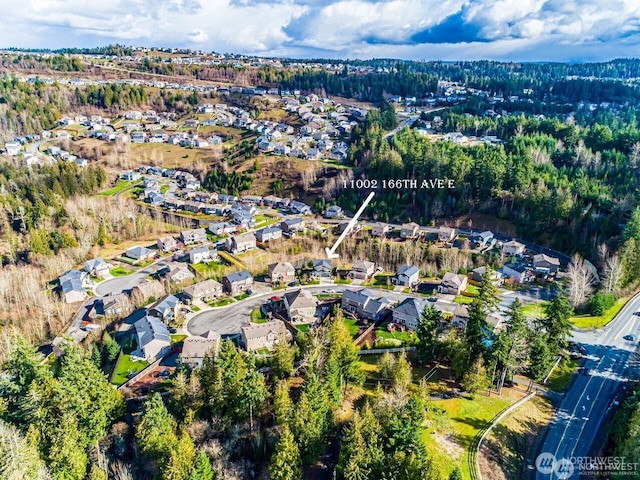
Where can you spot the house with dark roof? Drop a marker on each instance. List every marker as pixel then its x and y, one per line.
pixel 202 254
pixel 321 268
pixel 408 312
pixel 300 305
pixel 291 226
pixel 545 264
pixel 237 282
pixel 365 304
pixel 154 340
pixel 267 234
pixel 407 276
pixel 482 239
pixel 446 234
pixel 115 304
pixel 518 272
pixel 139 254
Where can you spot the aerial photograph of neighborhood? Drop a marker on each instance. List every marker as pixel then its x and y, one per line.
pixel 337 240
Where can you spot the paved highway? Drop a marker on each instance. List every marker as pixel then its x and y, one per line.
pixel 577 427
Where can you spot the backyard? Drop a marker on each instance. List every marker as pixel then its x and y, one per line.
pixel 126 366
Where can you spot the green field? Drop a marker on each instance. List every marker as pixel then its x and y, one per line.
pixel 221 303
pixel 588 321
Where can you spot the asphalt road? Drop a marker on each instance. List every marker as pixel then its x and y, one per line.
pixel 230 319
pixel 127 282
pixel 577 427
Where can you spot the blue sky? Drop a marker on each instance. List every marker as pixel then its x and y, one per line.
pixel 530 30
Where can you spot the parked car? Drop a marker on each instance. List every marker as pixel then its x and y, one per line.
pixel 631 337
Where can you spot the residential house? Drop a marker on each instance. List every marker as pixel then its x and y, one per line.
pixel 513 247
pixel 167 244
pixel 96 267
pixel 299 208
pixel 482 239
pixel 147 290
pixel 333 211
pixel 453 284
pixel 300 305
pixel 115 304
pixel 72 285
pixel 362 270
pixel 196 349
pixel 222 228
pixel 409 230
pixel 139 254
pixel 240 212
pixel 131 176
pixel 281 272
pixel 205 291
pixel 165 308
pixel 460 317
pixel 446 234
pixel 202 254
pixel 408 312
pixel 321 268
pixel 238 282
pixel 518 272
pixel 365 304
pixel 265 335
pixel 407 276
pixel 179 273
pixel 291 226
pixel 196 235
pixel 342 226
pixel 477 275
pixel 380 229
pixel 241 243
pixel 267 234
pixel 154 340
pixel 545 264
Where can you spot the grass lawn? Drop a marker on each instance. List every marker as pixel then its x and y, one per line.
pixel 561 375
pixel 117 188
pixel 304 328
pixel 472 289
pixel 257 316
pixel 344 281
pixel 209 270
pixel 535 310
pixel 221 303
pixel 405 338
pixel 125 367
pixel 177 339
pixel 380 281
pixel 242 296
pixel 587 321
pixel 120 271
pixel 195 308
pixel 352 326
pixel 462 300
pixel 231 259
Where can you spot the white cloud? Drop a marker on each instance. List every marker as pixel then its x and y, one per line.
pixel 519 29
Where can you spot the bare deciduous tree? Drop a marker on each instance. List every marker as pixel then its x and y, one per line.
pixel 580 281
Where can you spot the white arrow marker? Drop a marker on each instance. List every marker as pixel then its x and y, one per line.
pixel 352 222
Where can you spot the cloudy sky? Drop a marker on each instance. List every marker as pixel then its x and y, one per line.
pixel 534 30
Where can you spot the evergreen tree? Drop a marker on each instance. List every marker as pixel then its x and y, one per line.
pixel 181 459
pixel 541 357
pixel 285 462
pixel 282 404
pixel 156 431
pixel 202 468
pixel 282 360
pixel 556 321
pixel 455 474
pixel 476 331
pixel 427 325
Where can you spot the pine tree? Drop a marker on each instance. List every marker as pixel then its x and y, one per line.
pixel 286 463
pixel 475 332
pixel 202 468
pixel 156 431
pixel 282 360
pixel 427 325
pixel 282 404
pixel 456 474
pixel 556 321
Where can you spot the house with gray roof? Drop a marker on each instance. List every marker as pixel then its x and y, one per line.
pixel 362 270
pixel 96 267
pixel 205 291
pixel 408 312
pixel 365 304
pixel 265 335
pixel 267 234
pixel 139 254
pixel 407 276
pixel 72 286
pixel 165 308
pixel 300 305
pixel 154 340
pixel 196 348
pixel 237 282
pixel 241 243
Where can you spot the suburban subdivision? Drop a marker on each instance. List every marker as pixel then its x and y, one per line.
pixel 246 267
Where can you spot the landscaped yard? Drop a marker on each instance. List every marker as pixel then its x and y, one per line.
pixel 561 375
pixel 352 326
pixel 125 367
pixel 397 338
pixel 242 296
pixel 177 339
pixel 304 328
pixel 382 280
pixel 221 302
pixel 472 289
pixel 257 316
pixel 588 321
pixel 120 271
pixel 462 300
